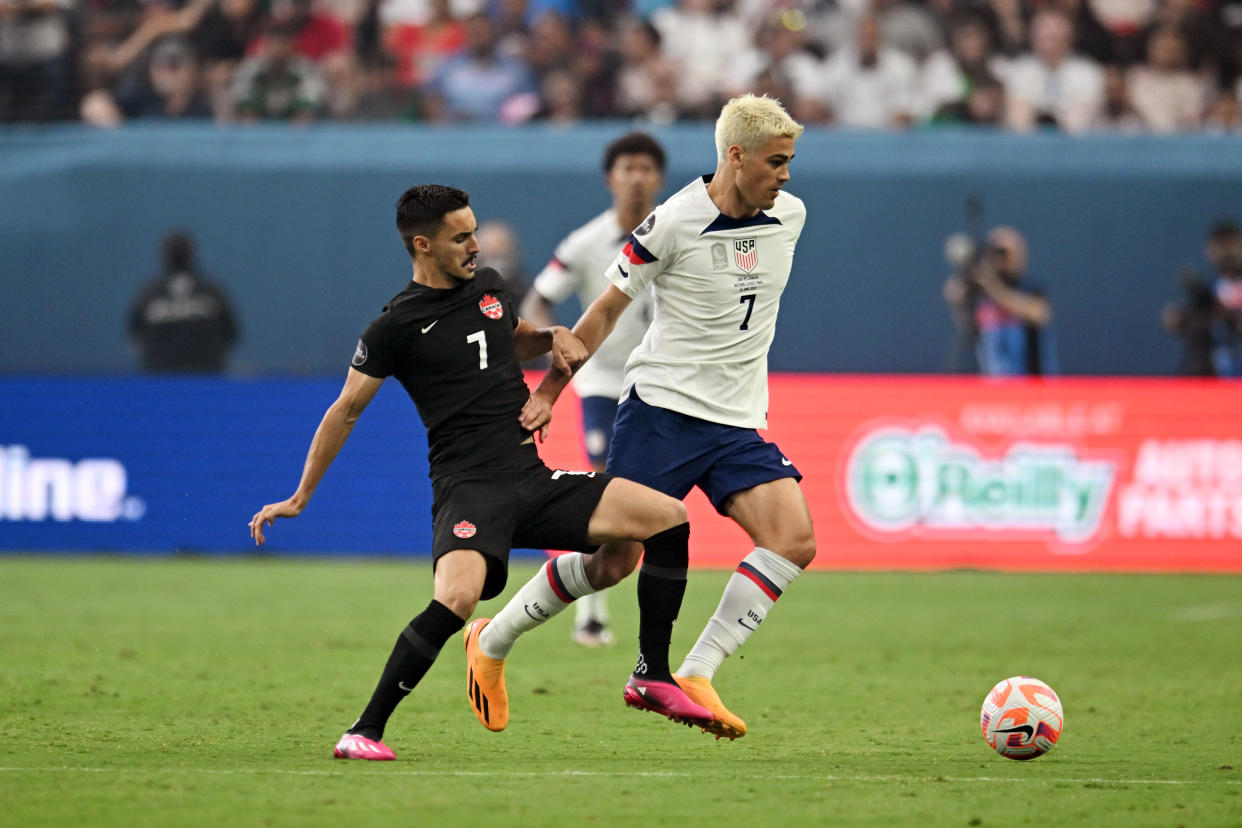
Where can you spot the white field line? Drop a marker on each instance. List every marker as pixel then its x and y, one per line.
pixel 568 774
pixel 1207 612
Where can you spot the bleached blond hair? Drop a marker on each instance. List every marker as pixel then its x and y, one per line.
pixel 750 121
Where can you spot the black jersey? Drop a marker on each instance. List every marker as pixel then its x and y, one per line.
pixel 453 352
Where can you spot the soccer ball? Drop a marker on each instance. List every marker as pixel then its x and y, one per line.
pixel 1021 718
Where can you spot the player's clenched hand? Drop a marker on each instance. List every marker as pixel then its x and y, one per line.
pixel 568 352
pixel 536 415
pixel 267 516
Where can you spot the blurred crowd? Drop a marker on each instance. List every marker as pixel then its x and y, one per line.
pixel 1074 65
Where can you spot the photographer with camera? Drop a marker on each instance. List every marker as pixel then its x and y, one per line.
pixel 999 310
pixel 1209 321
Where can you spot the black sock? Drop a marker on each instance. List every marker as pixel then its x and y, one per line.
pixel 413 654
pixel 661 586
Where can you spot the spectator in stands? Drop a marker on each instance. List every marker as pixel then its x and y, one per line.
pixel 181 322
pixel 984 105
pixel 419 39
pixel 704 39
pixel 646 79
pixel 1010 26
pixel 1050 85
pixel 222 41
pixel 317 35
pixel 1005 21
pixel 949 75
pixel 168 87
pixel 1108 31
pixel 868 84
pixel 276 84
pixel 362 89
pixel 481 84
pixel 596 63
pixel 112 67
pixel 784 64
pixel 550 46
pixel 1168 96
pixel 908 27
pixel 1211 43
pixel 1008 312
pixel 560 98
pixel 1209 322
pixel 1118 113
pixel 37 72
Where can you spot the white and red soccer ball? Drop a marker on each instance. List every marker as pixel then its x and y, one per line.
pixel 1021 718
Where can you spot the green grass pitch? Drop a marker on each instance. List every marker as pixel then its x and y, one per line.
pixel 210 692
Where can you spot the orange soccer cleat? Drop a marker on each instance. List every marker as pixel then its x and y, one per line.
pixel 724 723
pixel 485 681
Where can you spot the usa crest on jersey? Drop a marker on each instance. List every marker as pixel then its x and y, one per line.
pixel 745 254
pixel 491 306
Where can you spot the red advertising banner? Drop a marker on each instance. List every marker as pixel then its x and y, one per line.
pixel 929 473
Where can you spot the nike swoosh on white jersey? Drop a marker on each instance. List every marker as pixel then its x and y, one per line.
pixel 429 327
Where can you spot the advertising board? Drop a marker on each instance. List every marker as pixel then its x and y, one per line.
pixel 900 472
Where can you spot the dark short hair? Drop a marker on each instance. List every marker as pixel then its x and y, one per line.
pixel 634 143
pixel 177 251
pixel 1224 230
pixel 421 210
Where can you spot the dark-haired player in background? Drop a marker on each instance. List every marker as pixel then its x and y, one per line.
pixel 453 341
pixel 634 174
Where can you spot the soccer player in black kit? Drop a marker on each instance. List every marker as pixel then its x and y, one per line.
pixel 454 342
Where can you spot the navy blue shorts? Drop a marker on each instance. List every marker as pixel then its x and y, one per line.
pixel 672 453
pixel 598 414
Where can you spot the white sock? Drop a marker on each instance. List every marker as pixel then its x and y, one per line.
pixel 592 607
pixel 755 585
pixel 557 584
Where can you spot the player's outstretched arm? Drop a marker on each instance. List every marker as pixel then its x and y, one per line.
pixel 335 427
pixel 529 342
pixel 591 330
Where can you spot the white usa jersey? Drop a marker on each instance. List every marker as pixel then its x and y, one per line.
pixel 578 266
pixel 717 284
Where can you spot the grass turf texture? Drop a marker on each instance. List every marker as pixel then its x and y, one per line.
pixel 205 692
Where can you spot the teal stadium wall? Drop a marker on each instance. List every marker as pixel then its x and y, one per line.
pixel 298 224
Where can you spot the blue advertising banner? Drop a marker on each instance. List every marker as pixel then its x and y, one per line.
pixel 167 465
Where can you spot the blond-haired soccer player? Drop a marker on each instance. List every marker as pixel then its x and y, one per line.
pixel 717 256
pixel 634 174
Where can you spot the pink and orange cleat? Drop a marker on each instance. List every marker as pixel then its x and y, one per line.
pixel 355 746
pixel 667 699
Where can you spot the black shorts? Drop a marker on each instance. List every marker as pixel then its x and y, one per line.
pixel 519 503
